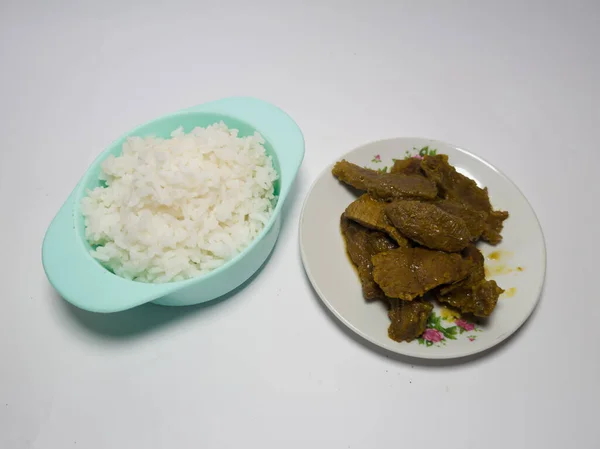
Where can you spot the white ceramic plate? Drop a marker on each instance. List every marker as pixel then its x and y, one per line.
pixel 518 264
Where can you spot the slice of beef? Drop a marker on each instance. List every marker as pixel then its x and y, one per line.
pixel 475 220
pixel 407 273
pixel 474 294
pixel 479 299
pixel 408 319
pixel 371 213
pixel 362 244
pixel 428 225
pixel 409 166
pixel 384 186
pixel 459 188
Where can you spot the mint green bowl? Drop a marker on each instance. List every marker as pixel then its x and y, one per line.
pixel 85 283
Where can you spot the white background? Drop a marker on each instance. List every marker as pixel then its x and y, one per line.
pixel 515 82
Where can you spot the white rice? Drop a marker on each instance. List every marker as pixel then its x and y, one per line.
pixel 177 208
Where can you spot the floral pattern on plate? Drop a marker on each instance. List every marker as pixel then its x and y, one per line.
pixel 437 334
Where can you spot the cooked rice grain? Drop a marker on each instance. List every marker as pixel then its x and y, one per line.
pixel 177 208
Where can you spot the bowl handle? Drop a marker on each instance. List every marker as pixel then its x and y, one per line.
pixel 79 278
pixel 274 124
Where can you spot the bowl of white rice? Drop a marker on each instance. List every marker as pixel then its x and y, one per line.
pixel 178 211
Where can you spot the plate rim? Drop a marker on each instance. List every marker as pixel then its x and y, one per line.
pixel 388 347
